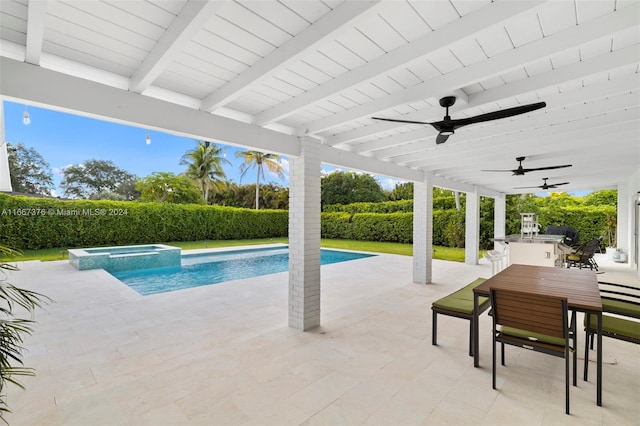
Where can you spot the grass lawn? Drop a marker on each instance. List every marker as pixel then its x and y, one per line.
pixel 443 253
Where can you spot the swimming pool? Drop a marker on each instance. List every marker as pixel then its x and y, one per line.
pixel 215 267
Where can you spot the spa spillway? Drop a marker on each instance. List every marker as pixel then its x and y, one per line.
pixel 125 258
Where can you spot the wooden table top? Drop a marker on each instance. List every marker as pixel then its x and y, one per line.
pixel 579 286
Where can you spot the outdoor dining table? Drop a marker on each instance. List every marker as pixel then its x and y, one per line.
pixel 579 286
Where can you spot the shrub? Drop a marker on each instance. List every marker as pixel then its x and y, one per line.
pixel 35 223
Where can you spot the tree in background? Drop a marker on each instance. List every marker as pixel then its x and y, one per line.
pixel 273 196
pixel 30 173
pixel 204 166
pixel 93 177
pixel 167 187
pixel 349 187
pixel 602 197
pixel 402 191
pixel 258 160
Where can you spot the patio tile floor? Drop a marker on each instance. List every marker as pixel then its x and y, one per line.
pixel 223 355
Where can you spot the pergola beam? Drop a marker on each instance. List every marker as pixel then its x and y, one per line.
pixel 413 51
pixel 499 64
pixel 591 66
pixel 327 26
pixel 193 16
pixel 36 12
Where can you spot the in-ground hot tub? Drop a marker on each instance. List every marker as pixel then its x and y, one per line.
pixel 125 258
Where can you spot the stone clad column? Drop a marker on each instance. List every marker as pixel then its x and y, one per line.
pixel 304 237
pixel 472 228
pixel 422 231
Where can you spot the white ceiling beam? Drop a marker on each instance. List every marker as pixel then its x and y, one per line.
pixel 22 82
pixel 341 158
pixel 191 19
pixel 328 26
pixel 602 27
pixel 591 66
pixel 36 13
pixel 579 70
pixel 467 26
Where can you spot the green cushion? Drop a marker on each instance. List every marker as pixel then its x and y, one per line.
pixel 462 300
pixel 524 334
pixel 615 325
pixel 457 304
pixel 620 306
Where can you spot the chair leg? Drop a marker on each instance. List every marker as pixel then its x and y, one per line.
pixel 493 369
pixel 575 348
pixel 434 329
pixel 471 337
pixel 566 378
pixel 502 352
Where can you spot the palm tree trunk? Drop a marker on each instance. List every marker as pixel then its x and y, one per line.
pixel 258 191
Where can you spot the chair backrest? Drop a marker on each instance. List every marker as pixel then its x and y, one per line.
pixel 531 312
pixel 591 247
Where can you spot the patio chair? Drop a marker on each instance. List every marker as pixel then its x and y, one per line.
pixel 534 322
pixel 621 313
pixel 582 257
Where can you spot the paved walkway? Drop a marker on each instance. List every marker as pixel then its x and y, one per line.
pixel 223 354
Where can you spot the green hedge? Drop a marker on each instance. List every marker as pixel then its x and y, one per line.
pixel 34 223
pixel 406 206
pixel 392 227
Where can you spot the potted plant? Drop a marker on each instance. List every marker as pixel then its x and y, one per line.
pixel 13 328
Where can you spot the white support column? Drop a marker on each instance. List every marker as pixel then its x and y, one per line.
pixel 623 231
pixel 304 237
pixel 5 176
pixel 472 228
pixel 422 231
pixel 499 220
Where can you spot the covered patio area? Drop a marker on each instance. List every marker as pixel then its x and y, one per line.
pixel 224 354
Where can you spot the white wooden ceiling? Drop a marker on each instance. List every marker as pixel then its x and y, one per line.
pixel 323 68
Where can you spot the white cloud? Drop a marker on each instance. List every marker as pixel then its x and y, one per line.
pixel 60 170
pixel 389 183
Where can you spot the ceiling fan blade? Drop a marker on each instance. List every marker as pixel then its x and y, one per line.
pixel 496 115
pixel 546 168
pixel 510 171
pixel 554 185
pixel 399 121
pixel 441 138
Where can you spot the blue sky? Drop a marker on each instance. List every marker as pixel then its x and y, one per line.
pixel 65 139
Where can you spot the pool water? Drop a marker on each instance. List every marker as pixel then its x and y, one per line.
pixel 212 268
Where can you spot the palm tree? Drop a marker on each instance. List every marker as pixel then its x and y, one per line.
pixel 204 165
pixel 13 302
pixel 258 160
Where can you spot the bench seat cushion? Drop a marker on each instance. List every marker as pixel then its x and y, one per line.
pixel 456 304
pixel 617 326
pixel 621 307
pixel 462 300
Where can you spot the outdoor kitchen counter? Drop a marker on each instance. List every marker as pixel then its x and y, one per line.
pixel 539 250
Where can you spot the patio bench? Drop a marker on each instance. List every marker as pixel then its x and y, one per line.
pixel 620 313
pixel 459 304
